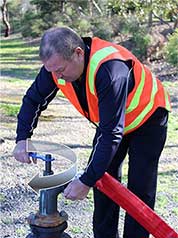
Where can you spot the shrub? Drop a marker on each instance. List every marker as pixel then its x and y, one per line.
pixel 139 38
pixel 31 24
pixel 84 26
pixel 34 25
pixel 102 28
pixel 141 42
pixel 171 49
pixel 15 15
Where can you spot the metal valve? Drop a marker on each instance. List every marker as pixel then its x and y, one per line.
pixel 47 158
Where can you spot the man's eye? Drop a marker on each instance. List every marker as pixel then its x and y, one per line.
pixel 59 70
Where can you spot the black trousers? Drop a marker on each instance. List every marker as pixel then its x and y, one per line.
pixel 144 147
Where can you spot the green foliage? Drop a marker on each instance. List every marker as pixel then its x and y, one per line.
pixel 139 37
pixel 126 7
pixel 171 50
pixel 49 14
pixel 83 26
pixel 15 15
pixel 102 28
pixel 76 230
pixel 20 231
pixel 32 24
pixel 165 9
pixel 45 8
pixel 10 109
pixel 141 41
pixel 42 14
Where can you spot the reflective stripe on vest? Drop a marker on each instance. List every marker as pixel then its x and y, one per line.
pixel 136 98
pixel 149 106
pixel 96 58
pixel 61 81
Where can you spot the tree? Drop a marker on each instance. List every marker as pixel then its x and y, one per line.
pixel 5 18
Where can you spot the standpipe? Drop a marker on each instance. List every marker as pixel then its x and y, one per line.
pixel 48 222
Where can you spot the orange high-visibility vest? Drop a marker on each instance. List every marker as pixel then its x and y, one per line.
pixel 147 95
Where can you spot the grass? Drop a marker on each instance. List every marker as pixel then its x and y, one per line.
pixel 76 230
pixel 21 231
pixel 16 81
pixel 18 59
pixel 9 109
pixel 172 129
pixel 2 198
pixel 7 220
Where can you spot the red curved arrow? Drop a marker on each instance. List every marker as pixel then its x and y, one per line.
pixel 135 207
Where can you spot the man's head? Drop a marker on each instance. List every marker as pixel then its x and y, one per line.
pixel 62 52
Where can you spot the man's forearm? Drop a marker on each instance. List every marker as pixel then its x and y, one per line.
pixel 37 98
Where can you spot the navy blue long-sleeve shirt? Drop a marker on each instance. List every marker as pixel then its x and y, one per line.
pixel 114 80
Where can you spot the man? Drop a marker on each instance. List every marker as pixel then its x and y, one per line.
pixel 119 95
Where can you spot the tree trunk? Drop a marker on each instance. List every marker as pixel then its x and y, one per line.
pixel 97 7
pixel 90 8
pixel 61 6
pixel 92 4
pixel 150 15
pixel 150 19
pixel 5 18
pixel 175 24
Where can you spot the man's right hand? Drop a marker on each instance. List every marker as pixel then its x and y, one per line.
pixel 21 154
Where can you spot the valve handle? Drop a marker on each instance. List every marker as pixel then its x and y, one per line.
pixel 45 158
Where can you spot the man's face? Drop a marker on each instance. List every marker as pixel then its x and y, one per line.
pixel 69 70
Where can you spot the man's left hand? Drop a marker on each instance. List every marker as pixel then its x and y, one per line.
pixel 76 190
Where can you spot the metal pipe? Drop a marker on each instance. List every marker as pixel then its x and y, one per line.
pixel 48 170
pixel 48 200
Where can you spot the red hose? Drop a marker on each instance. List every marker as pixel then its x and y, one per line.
pixel 135 207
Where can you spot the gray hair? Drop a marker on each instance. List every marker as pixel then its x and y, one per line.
pixel 60 40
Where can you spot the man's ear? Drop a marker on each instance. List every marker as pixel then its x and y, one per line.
pixel 79 51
